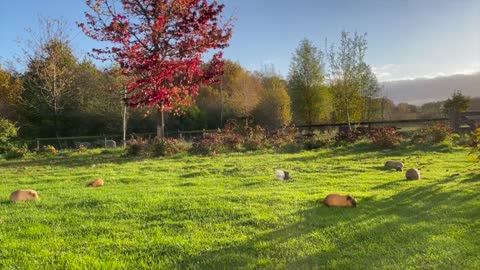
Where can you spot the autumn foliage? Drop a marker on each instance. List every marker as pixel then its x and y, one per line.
pixel 159 44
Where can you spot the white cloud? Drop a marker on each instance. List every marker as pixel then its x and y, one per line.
pixel 472 69
pixel 422 90
pixel 384 72
pixel 393 72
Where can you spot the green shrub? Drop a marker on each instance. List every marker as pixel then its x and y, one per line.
pixel 315 143
pixel 167 147
pixel 49 150
pixel 237 137
pixel 255 138
pixel 348 136
pixel 232 137
pixel 7 132
pixel 292 147
pixel 439 133
pixel 432 135
pixel 81 149
pixel 311 141
pixel 463 139
pixel 287 135
pixel 386 137
pixel 475 144
pixel 16 152
pixel 136 147
pixel 209 144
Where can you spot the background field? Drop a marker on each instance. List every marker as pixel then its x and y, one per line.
pixel 228 211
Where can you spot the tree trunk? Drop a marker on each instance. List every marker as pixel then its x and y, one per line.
pixel 161 125
pixel 55 123
pixel 221 111
pixel 348 117
pixel 55 117
pixel 55 105
pixel 382 109
pixel 125 119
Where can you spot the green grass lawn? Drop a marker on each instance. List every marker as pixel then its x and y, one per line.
pixel 228 211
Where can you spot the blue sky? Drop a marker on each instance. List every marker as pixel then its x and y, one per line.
pixel 407 38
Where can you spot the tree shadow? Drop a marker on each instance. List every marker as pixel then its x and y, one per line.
pixel 474 178
pixel 71 161
pixel 187 184
pixel 90 203
pixel 416 208
pixel 389 184
pixel 359 150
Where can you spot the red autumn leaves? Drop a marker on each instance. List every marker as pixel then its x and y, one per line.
pixel 159 44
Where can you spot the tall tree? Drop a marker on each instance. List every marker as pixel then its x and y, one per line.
pixel 159 45
pixel 273 110
pixel 50 70
pixel 457 103
pixel 10 94
pixel 370 90
pixel 454 106
pixel 348 72
pixel 235 96
pixel 244 91
pixel 211 101
pixel 431 110
pixel 95 107
pixel 310 99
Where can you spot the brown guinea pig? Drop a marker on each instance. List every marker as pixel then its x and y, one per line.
pixel 24 195
pixel 337 200
pixel 96 183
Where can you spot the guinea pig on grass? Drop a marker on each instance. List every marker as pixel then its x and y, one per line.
pixel 96 183
pixel 24 195
pixel 282 175
pixel 337 200
pixel 397 165
pixel 413 174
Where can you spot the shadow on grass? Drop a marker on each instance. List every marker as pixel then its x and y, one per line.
pixel 249 184
pixel 188 184
pixel 390 184
pixel 70 161
pixel 408 219
pixel 85 204
pixel 474 178
pixel 195 174
pixel 360 150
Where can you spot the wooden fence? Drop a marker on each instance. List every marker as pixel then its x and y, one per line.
pixel 412 123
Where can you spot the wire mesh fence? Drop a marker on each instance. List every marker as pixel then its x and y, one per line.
pixel 105 141
pixel 112 141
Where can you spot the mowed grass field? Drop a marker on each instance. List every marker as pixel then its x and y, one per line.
pixel 229 212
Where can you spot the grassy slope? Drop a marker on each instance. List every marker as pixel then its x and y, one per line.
pixel 228 211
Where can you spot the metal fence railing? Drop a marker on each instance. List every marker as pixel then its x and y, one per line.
pixel 410 124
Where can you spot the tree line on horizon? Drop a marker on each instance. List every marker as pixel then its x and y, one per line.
pixel 59 94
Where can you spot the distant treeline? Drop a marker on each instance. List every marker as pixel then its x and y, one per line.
pixel 60 95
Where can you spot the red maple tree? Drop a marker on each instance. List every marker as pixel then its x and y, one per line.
pixel 159 44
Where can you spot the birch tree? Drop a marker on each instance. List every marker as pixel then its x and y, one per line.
pixel 50 70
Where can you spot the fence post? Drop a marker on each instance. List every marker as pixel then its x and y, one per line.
pixel 104 141
pixel 38 144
